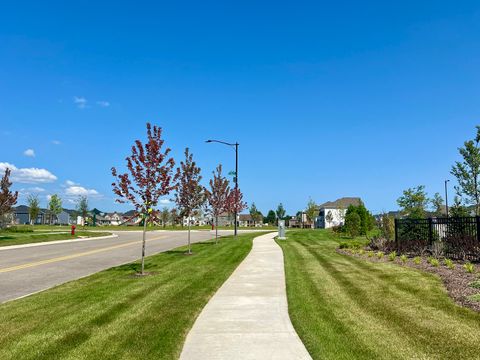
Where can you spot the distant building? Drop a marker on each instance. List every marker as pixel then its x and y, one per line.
pixel 332 213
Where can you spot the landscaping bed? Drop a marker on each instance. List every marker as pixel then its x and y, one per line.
pixel 462 285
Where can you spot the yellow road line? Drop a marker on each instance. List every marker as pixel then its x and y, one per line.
pixel 73 256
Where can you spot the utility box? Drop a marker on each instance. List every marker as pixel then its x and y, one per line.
pixel 281 230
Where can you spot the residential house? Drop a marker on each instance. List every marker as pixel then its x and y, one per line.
pixel 113 218
pixel 247 220
pixel 332 213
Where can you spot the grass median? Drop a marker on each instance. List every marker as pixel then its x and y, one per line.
pixel 347 308
pixel 117 315
pixel 13 238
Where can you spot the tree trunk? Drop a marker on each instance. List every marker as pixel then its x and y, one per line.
pixel 216 229
pixel 189 247
pixel 143 244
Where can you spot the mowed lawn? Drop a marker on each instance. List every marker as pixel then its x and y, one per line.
pixel 347 308
pixel 116 315
pixel 19 238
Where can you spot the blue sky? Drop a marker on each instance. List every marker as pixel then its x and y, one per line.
pixel 327 99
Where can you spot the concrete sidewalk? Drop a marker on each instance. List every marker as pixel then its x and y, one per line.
pixel 248 316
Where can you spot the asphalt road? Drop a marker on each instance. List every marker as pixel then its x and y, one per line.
pixel 24 271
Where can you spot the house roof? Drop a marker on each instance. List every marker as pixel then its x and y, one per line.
pixel 341 203
pixel 245 217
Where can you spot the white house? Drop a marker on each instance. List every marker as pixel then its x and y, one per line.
pixel 332 213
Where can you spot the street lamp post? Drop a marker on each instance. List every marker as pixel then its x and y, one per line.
pixel 235 146
pixel 446 196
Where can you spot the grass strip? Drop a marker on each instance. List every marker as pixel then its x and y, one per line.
pixel 117 315
pixel 346 308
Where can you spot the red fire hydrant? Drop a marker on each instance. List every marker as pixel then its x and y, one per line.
pixel 73 229
pixel 213 226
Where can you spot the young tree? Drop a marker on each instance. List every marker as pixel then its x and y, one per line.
pixel 386 225
pixel 311 212
pixel 438 205
pixel 34 208
pixel 217 196
pixel 164 216
pixel 352 224
pixel 174 216
pixel 458 209
pixel 467 172
pixel 149 177
pixel 255 214
pixel 414 202
pixel 367 221
pixel 55 205
pixel 82 208
pixel 190 195
pixel 271 218
pixel 280 212
pixel 235 203
pixel 7 197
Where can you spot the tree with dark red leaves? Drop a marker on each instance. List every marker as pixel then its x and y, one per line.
pixel 217 196
pixel 7 197
pixel 235 203
pixel 190 195
pixel 149 177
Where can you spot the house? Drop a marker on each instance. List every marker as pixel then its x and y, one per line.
pixel 113 218
pixel 332 213
pixel 130 218
pixel 246 220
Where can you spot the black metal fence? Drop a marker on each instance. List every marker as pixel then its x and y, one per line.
pixel 456 238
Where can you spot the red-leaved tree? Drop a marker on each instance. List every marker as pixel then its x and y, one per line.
pixel 7 197
pixel 149 177
pixel 217 196
pixel 235 203
pixel 190 195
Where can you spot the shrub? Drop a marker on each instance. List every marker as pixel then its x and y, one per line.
pixel 417 260
pixel 361 252
pixel 370 254
pixel 350 245
pixel 404 258
pixel 392 256
pixel 469 267
pixel 475 284
pixel 380 254
pixel 433 261
pixel 449 264
pixel 352 224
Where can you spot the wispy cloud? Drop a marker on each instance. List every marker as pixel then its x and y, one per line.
pixel 28 175
pixel 29 153
pixel 69 183
pixel 80 101
pixel 56 142
pixel 103 103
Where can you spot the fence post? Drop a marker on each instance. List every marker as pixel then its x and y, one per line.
pixel 396 234
pixel 477 218
pixel 430 231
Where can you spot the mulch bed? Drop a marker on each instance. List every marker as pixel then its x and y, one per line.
pixel 456 280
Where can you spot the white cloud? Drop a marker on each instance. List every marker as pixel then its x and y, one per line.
pixel 80 101
pixel 37 189
pixel 76 190
pixel 28 175
pixel 69 183
pixel 165 201
pixel 56 142
pixel 103 103
pixel 29 153
pixel 48 197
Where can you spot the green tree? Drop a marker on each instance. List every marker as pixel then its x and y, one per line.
pixel 55 206
pixel 438 205
pixel 255 214
pixel 458 209
pixel 82 208
pixel 164 216
pixel 467 172
pixel 271 217
pixel 367 221
pixel 311 212
pixel 8 198
pixel 352 223
pixel 34 208
pixel 414 202
pixel 280 212
pixel 386 226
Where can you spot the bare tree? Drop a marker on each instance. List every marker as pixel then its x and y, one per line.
pixel 190 195
pixel 7 197
pixel 149 177
pixel 217 196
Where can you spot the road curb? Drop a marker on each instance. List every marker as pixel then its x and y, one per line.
pixel 12 247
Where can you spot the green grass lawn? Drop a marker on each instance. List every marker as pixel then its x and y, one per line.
pixel 135 228
pixel 12 238
pixel 347 308
pixel 115 315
